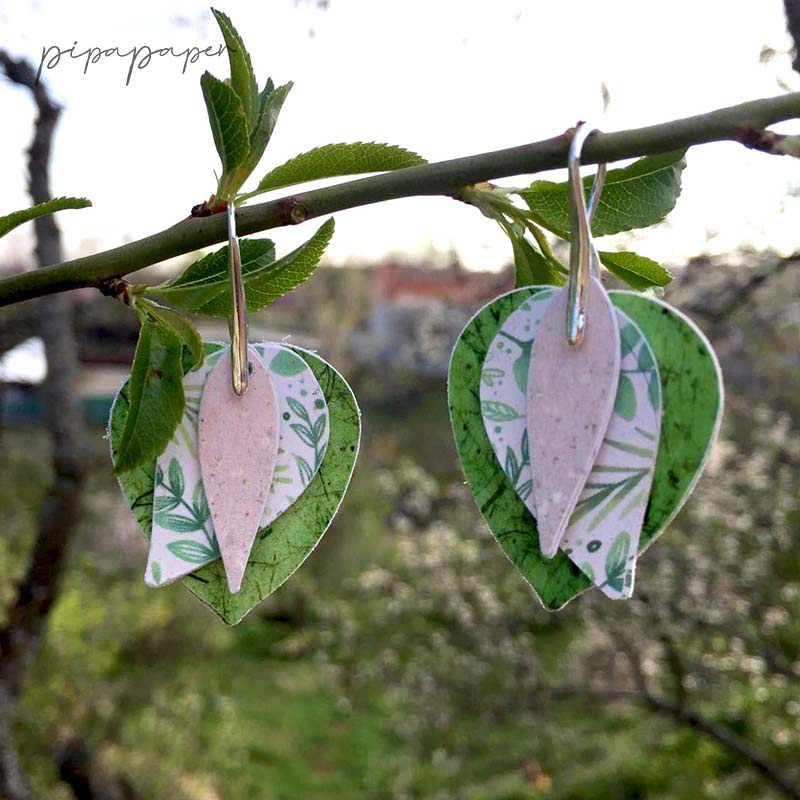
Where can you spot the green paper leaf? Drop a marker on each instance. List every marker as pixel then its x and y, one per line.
pixel 228 123
pixel 531 267
pixel 200 503
pixel 644 361
pixel 155 571
pixel 178 523
pixel 691 390
pixel 193 552
pixel 335 160
pixel 243 81
pixel 165 503
pixel 175 476
pixel 155 396
pixel 617 560
pixel 629 338
pixel 636 196
pixel 625 402
pixel 280 548
pixel 287 364
pixel 179 324
pixel 653 390
pixel 638 272
pixel 498 411
pixel 15 218
pixel 264 282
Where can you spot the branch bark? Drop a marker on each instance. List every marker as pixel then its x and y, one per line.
pixel 24 630
pixel 735 123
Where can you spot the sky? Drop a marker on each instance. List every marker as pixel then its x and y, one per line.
pixel 444 78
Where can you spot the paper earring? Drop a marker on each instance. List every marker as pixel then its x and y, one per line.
pixel 255 470
pixel 570 408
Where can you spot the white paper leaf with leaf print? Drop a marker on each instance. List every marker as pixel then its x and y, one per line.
pixel 603 534
pixel 183 537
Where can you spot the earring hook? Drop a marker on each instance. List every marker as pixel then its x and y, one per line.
pixel 583 259
pixel 238 319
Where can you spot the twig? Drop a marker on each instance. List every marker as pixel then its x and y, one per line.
pixel 442 178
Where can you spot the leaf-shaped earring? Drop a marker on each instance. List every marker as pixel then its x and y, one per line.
pixel 255 471
pixel 576 445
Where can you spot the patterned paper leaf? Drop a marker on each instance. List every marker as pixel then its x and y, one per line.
pixel 194 552
pixel 498 411
pixel 691 390
pixel 282 546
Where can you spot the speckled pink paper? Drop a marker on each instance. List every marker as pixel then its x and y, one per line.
pixel 238 449
pixel 571 390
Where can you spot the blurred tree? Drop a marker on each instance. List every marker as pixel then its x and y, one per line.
pixel 24 627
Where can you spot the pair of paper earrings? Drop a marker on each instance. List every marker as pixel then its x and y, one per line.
pixel 582 420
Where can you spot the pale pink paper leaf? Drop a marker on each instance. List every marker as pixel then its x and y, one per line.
pixel 571 390
pixel 238 449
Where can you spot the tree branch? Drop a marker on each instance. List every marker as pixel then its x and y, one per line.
pixel 735 123
pixel 770 770
pixel 27 616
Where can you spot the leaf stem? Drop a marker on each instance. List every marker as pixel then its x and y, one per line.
pixel 734 123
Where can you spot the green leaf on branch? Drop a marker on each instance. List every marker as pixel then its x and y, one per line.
pixel 271 103
pixel 243 81
pixel 335 160
pixel 637 271
pixel 180 324
pixel 207 289
pixel 636 196
pixel 228 125
pixel 531 267
pixel 15 218
pixel 155 397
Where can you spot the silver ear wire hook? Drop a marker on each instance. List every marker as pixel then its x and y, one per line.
pixel 238 320
pixel 583 259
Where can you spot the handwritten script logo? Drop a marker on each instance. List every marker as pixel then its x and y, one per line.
pixel 140 57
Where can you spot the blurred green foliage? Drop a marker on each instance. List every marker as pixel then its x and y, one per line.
pixel 407 659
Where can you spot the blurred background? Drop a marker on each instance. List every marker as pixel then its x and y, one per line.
pixel 407 658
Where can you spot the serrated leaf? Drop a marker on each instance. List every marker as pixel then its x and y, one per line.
pixel 243 80
pixel 263 283
pixel 271 105
pixel 15 218
pixel 636 196
pixel 637 271
pixel 180 324
pixel 155 396
pixel 205 278
pixel 228 123
pixel 213 268
pixel 335 160
pixel 531 267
